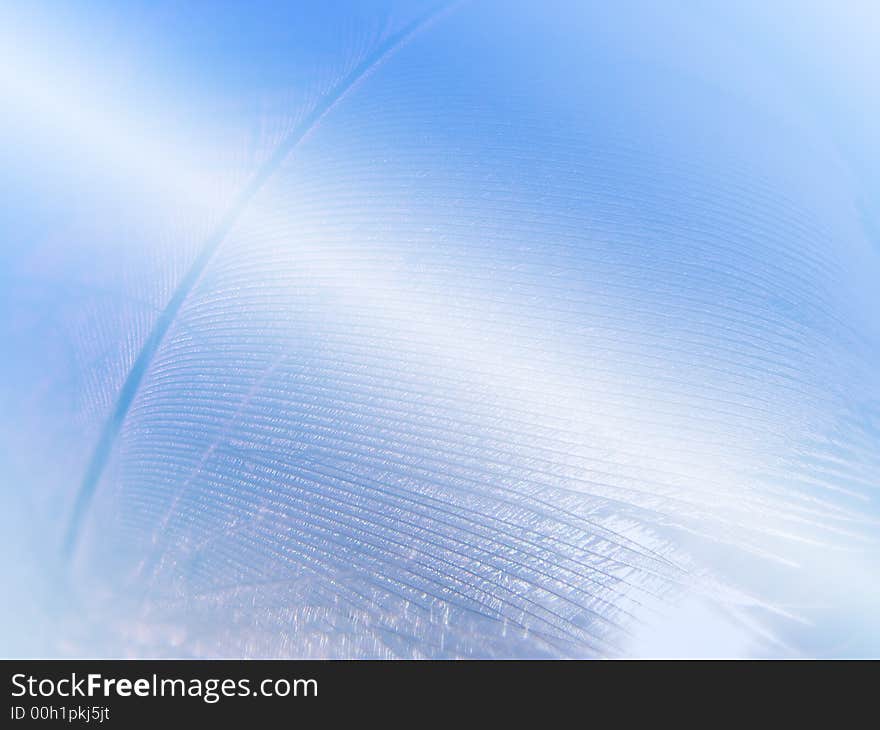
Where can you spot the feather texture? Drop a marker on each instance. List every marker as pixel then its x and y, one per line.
pixel 555 340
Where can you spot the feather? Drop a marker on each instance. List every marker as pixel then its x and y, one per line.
pixel 454 342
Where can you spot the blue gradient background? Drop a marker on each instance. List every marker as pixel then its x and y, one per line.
pixel 403 329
